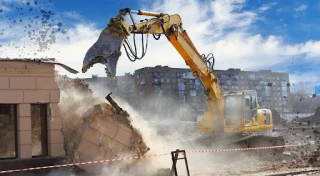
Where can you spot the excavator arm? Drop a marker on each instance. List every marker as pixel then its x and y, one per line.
pixel 107 51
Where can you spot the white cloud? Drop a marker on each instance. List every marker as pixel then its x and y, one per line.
pixel 73 15
pixel 266 7
pixel 301 8
pixel 309 77
pixel 220 26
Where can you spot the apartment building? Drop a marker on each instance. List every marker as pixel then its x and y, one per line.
pixel 272 88
pixel 177 86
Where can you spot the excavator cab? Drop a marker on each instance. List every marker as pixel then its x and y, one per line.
pixel 242 113
pixel 240 106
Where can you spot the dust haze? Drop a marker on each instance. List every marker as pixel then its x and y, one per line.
pixel 164 134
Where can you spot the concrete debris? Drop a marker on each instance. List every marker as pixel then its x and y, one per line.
pixel 100 136
pixel 94 132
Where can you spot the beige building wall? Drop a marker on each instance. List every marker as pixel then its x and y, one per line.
pixel 24 83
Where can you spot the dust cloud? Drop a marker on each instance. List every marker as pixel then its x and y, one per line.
pixel 177 135
pixel 165 134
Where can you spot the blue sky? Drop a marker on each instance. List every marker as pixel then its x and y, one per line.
pixel 251 35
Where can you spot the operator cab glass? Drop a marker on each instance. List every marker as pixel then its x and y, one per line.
pixel 233 109
pixel 238 106
pixel 250 108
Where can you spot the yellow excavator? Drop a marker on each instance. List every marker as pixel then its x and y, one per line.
pixel 228 113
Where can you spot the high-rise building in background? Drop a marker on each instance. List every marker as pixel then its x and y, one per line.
pixel 317 90
pixel 171 89
pixel 165 87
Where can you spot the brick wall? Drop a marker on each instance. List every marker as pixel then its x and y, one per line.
pixel 25 83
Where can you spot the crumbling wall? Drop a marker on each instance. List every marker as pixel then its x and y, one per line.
pixel 93 130
pixel 102 136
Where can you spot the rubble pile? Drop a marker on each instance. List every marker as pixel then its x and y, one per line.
pixel 101 136
pixel 94 130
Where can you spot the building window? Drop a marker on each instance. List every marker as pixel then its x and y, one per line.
pixel 39 130
pixel 193 93
pixel 251 76
pixel 8 131
pixel 284 93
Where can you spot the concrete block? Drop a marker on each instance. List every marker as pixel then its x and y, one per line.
pixel 109 156
pixel 25 151
pixel 55 136
pixel 24 123
pixel 105 141
pixel 91 135
pixel 117 148
pixel 55 109
pixel 47 83
pixel 89 149
pixel 126 151
pixel 4 82
pixel 104 126
pixel 124 127
pixel 56 149
pixel 36 96
pixel 24 137
pixel 123 137
pixel 55 96
pixel 11 96
pixel 22 83
pixel 111 146
pixel 24 110
pixel 55 123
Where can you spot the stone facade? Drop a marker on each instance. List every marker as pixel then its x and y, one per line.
pixel 25 83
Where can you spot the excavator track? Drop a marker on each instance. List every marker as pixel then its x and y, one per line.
pixel 260 140
pixel 240 141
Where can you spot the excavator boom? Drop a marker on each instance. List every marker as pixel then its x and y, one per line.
pixel 107 51
pixel 239 115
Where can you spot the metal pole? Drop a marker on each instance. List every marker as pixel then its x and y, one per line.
pixel 174 156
